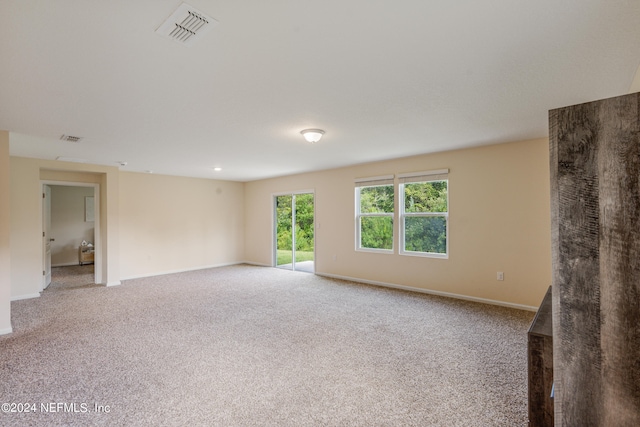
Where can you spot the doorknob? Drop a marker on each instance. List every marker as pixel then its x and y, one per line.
pixel 52 240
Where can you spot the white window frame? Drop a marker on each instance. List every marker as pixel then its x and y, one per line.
pixel 378 181
pixel 415 177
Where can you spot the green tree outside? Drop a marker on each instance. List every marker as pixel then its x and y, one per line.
pixel 304 222
pixel 426 233
pixel 376 232
pixel 304 228
pixel 423 233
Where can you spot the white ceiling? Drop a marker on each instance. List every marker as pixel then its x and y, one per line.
pixel 384 79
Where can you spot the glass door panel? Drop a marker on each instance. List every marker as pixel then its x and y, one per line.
pixel 284 238
pixel 294 232
pixel 304 237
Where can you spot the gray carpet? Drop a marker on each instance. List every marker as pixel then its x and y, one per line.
pixel 72 277
pixel 255 346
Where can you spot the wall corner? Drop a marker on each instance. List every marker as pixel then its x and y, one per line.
pixel 5 232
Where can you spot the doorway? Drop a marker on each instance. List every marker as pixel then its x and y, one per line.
pixel 294 227
pixel 71 229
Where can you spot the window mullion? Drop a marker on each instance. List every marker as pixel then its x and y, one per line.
pixel 377 214
pixel 426 214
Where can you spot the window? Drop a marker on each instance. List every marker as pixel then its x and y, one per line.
pixel 424 214
pixel 374 214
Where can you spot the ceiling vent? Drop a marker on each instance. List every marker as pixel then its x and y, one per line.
pixel 186 25
pixel 70 138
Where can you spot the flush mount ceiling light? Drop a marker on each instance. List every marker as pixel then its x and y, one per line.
pixel 312 135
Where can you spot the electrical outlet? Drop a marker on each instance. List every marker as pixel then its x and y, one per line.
pixel 500 275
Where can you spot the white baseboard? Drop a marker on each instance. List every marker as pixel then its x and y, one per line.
pixel 25 296
pixel 66 264
pixel 257 264
pixel 430 292
pixel 114 283
pixel 6 331
pixel 162 273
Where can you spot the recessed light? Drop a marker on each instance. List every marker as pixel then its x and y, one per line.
pixel 217 169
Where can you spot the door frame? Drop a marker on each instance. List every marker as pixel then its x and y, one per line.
pixel 274 234
pixel 46 238
pixel 97 271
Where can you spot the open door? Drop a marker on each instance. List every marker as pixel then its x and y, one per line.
pixel 294 232
pixel 46 237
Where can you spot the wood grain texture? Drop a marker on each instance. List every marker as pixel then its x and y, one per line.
pixel 619 167
pixel 595 190
pixel 540 359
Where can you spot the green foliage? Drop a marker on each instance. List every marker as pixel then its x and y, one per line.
pixel 304 205
pixel 304 223
pixel 376 199
pixel 426 233
pixel 422 233
pixel 283 222
pixel 376 232
pixel 425 197
pixel 285 257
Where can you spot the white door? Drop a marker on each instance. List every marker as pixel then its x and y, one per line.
pixel 46 238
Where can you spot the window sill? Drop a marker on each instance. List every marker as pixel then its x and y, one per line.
pixel 425 254
pixel 376 251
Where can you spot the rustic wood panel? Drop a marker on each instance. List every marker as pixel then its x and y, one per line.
pixel 595 188
pixel 619 166
pixel 540 358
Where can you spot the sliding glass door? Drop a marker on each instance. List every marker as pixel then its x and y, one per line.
pixel 284 237
pixel 294 231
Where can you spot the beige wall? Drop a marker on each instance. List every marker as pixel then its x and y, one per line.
pixel 499 221
pixel 173 224
pixel 149 224
pixel 105 230
pixel 26 218
pixel 5 226
pixel 635 85
pixel 68 225
pixel 26 228
pixel 154 224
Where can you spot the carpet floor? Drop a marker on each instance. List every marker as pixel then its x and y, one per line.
pixel 255 346
pixel 72 277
